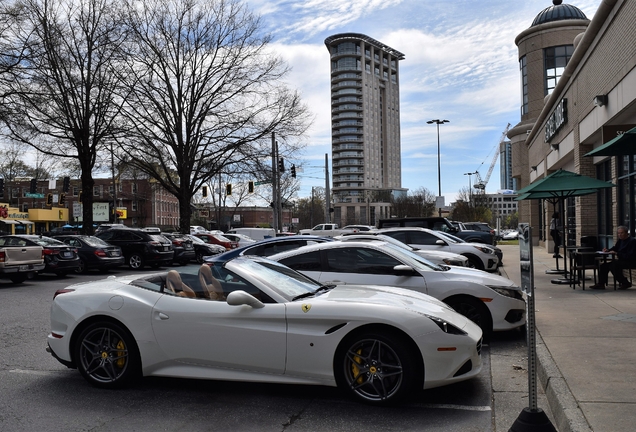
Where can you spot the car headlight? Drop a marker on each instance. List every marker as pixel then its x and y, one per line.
pixel 485 249
pixel 446 327
pixel 507 291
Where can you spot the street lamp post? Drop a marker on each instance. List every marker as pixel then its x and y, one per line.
pixel 439 171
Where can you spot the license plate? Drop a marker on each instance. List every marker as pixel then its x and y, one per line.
pixel 67 254
pixel 26 267
pixel 116 253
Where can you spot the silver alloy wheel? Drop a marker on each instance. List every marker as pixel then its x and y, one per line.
pixel 82 267
pixel 373 370
pixel 135 262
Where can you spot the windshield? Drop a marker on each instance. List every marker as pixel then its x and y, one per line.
pixel 412 259
pixel 95 241
pixel 47 241
pixel 196 239
pixel 450 237
pixel 281 279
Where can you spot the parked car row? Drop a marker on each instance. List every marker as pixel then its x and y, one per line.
pixel 368 313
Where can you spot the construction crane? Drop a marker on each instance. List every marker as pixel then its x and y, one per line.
pixel 481 184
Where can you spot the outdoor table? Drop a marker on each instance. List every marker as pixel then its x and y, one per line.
pixel 602 259
pixel 572 253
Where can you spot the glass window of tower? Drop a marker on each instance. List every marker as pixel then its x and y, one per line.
pixel 555 60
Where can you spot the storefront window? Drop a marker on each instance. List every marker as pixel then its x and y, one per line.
pixel 626 175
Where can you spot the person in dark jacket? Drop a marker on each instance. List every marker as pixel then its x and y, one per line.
pixel 624 252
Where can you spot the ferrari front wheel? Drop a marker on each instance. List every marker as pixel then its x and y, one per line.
pixel 107 356
pixel 377 367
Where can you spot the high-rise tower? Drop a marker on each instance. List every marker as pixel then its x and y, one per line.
pixel 365 119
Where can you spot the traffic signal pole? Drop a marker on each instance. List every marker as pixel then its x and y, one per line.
pixel 275 181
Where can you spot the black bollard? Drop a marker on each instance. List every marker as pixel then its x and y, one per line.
pixel 532 421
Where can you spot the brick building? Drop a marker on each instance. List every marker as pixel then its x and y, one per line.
pixel 141 203
pixel 579 91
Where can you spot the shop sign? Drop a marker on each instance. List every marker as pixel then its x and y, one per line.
pixel 557 119
pixel 100 212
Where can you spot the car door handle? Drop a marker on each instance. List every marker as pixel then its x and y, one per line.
pixel 163 316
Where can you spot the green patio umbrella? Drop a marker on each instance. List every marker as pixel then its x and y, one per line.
pixel 558 186
pixel 562 184
pixel 622 145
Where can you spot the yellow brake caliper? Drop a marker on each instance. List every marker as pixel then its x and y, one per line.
pixel 355 369
pixel 121 361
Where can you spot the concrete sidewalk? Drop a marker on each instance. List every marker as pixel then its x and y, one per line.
pixel 586 348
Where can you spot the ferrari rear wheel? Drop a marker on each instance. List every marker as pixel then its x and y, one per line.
pixel 377 367
pixel 107 356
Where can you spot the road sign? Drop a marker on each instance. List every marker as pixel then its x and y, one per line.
pixel 33 195
pixel 262 182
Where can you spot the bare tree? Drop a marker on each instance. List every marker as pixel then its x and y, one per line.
pixel 419 202
pixel 204 93
pixel 61 96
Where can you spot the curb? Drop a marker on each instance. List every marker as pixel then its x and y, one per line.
pixel 563 405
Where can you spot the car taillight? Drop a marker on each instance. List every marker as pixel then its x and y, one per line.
pixel 155 243
pixel 50 251
pixel 100 253
pixel 177 242
pixel 2 256
pixel 62 291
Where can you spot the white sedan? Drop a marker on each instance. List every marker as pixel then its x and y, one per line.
pixel 493 302
pixel 436 257
pixel 242 239
pixel 252 319
pixel 480 256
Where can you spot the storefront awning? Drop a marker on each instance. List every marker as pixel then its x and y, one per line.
pixel 622 145
pixel 16 222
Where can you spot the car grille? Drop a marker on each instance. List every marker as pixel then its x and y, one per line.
pixel 466 367
pixel 514 315
pixel 479 345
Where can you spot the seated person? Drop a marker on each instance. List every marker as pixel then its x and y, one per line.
pixel 624 252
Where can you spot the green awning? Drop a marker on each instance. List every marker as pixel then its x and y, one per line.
pixel 562 184
pixel 622 145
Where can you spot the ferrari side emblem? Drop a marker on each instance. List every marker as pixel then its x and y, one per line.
pixel 305 307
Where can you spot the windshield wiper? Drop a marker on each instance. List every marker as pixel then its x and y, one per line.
pixel 311 293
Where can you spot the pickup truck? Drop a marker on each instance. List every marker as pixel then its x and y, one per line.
pixel 439 224
pixel 19 260
pixel 324 230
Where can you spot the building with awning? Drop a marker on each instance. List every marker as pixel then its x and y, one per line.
pixel 13 221
pixel 578 113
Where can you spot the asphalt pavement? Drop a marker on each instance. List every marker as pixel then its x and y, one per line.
pixel 586 349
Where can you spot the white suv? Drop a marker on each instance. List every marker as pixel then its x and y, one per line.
pixel 479 255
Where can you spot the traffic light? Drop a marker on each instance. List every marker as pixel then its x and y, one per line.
pixel 34 186
pixel 204 191
pixel 62 200
pixel 250 187
pixel 281 165
pixel 228 189
pixel 49 199
pixel 293 171
pixel 1 188
pixel 66 184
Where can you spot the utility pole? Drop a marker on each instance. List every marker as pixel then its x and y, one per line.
pixel 274 181
pixel 327 191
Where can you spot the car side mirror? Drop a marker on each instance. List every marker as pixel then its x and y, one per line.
pixel 240 297
pixel 402 269
pixel 440 242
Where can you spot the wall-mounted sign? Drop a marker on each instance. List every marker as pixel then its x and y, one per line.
pixel 557 119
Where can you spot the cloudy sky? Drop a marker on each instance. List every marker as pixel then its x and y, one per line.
pixel 460 64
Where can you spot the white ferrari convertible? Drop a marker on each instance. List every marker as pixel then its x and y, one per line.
pixel 252 319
